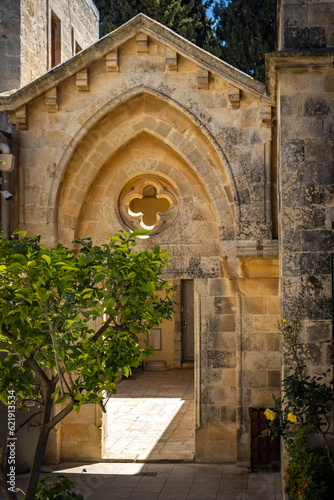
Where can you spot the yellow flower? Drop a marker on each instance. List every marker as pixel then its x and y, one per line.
pixel 270 415
pixel 284 320
pixel 292 417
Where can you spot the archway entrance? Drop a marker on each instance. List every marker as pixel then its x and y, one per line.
pixel 149 165
pixel 152 416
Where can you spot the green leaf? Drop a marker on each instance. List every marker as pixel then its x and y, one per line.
pixel 46 258
pixel 124 300
pixel 60 400
pixel 110 303
pixel 140 232
pixel 22 233
pixel 57 391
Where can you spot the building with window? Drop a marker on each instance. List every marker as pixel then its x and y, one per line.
pixel 233 177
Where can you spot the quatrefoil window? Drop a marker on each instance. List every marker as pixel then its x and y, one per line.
pixel 148 203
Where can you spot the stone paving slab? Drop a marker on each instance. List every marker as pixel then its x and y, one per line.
pixel 156 481
pixel 152 418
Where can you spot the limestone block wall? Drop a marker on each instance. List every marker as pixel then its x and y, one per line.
pixel 10 45
pixel 258 342
pixel 306 24
pixel 216 435
pixel 80 434
pixel 240 355
pixel 118 112
pixel 306 192
pixel 25 36
pixel 236 173
pixel 307 199
pixel 79 24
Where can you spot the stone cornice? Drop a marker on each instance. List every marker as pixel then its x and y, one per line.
pixel 295 61
pixel 253 248
pixel 140 24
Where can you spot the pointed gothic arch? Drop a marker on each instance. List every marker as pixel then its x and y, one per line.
pixel 140 110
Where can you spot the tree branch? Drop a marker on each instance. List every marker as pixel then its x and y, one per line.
pixel 54 343
pixel 54 421
pixel 71 379
pixel 102 329
pixel 38 370
pixel 7 332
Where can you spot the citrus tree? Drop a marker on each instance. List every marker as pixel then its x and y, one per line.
pixel 49 299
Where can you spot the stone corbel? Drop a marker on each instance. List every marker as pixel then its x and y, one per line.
pixel 142 43
pixel 82 81
pixel 21 118
pixel 112 61
pixel 203 77
pixel 233 97
pixel 265 116
pixel 51 100
pixel 170 60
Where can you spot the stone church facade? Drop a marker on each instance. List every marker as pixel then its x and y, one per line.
pixel 234 178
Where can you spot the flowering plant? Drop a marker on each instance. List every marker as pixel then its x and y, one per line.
pixel 303 410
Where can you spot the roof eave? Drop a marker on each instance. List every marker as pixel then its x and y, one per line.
pixel 140 23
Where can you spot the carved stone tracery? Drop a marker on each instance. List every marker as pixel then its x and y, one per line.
pixel 148 203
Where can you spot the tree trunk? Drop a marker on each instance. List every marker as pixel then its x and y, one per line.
pixel 41 444
pixel 37 464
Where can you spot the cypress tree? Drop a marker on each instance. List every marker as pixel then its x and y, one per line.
pixel 246 30
pixel 188 18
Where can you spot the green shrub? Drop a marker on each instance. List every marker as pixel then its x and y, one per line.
pixel 57 489
pixel 309 470
pixel 303 411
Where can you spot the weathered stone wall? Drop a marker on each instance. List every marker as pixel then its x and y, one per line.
pixel 81 434
pixel 234 173
pixel 81 16
pixel 34 41
pixel 132 108
pixel 25 36
pixel 305 98
pixel 10 45
pixel 307 196
pixel 306 24
pixel 240 357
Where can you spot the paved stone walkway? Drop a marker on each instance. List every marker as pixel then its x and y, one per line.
pixel 152 417
pixel 135 481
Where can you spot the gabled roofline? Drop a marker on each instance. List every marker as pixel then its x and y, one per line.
pixel 141 23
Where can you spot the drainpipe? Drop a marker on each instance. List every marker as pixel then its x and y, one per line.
pixel 5 169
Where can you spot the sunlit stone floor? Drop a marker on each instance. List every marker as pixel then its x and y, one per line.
pixel 152 417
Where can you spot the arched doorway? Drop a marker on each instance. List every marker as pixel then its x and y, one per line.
pixel 146 148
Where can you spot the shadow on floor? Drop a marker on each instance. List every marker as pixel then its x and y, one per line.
pixel 152 418
pixel 117 481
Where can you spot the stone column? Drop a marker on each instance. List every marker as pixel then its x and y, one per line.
pixel 304 78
